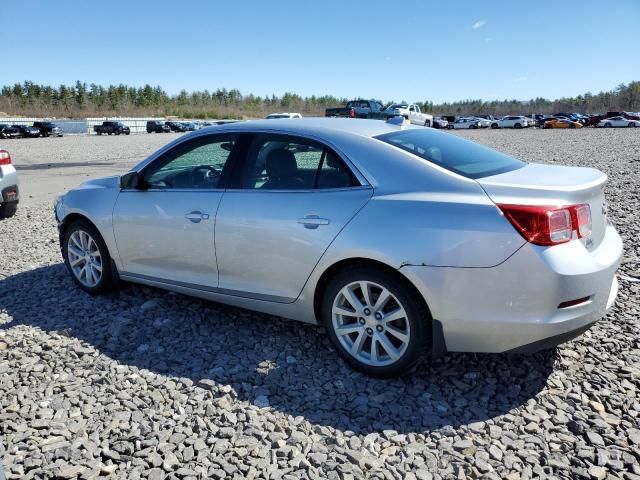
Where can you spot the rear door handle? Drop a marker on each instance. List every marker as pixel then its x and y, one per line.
pixel 313 221
pixel 196 217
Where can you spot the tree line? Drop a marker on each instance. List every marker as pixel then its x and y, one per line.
pixel 82 100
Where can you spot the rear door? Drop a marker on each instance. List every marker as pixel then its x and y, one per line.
pixel 292 197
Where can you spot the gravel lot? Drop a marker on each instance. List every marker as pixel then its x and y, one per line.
pixel 150 384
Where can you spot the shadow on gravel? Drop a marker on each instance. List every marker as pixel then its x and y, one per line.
pixel 286 363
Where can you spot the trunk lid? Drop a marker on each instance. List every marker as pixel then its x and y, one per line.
pixel 538 184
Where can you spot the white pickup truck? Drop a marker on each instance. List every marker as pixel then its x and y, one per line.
pixel 411 112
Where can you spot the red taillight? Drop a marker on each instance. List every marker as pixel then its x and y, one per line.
pixel 5 158
pixel 545 225
pixel 352 113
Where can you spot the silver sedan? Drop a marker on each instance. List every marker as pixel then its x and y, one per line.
pixel 400 240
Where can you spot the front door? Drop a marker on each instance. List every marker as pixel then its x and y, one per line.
pixel 165 229
pixel 294 197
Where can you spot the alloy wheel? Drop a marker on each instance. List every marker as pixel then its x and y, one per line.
pixel 370 323
pixel 84 258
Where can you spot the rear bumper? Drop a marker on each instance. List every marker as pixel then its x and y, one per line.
pixel 515 305
pixel 9 192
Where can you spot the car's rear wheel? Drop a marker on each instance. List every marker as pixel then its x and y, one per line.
pixel 607 125
pixel 494 125
pixel 517 125
pixel 87 258
pixel 377 326
pixel 632 125
pixel 572 126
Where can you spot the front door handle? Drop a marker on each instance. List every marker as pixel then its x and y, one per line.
pixel 313 221
pixel 196 217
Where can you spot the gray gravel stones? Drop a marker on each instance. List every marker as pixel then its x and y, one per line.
pixel 149 384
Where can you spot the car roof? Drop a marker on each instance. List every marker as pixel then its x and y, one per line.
pixel 313 125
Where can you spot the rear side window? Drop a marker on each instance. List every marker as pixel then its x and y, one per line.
pixel 453 153
pixel 282 162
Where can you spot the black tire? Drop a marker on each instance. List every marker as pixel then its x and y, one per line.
pixel 494 126
pixel 99 132
pixel 572 126
pixel 128 133
pixel 632 125
pixel 117 132
pixel 517 125
pixel 417 317
pixel 473 127
pixel 607 125
pixel 450 127
pixel 427 123
pixel 108 279
pixel 8 210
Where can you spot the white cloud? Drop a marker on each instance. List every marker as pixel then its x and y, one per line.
pixel 520 79
pixel 478 24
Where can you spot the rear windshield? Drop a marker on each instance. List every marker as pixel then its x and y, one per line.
pixel 453 153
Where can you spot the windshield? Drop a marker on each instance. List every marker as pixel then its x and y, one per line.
pixel 461 156
pixel 398 105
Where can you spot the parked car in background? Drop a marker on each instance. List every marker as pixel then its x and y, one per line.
pixel 595 119
pixel 510 121
pixel 112 128
pixel 561 123
pixel 48 129
pixel 483 122
pixel 618 122
pixel 475 243
pixel 156 126
pixel 411 112
pixel 491 118
pixel 358 109
pixel 27 132
pixel 464 122
pixel 439 122
pixel 176 126
pixel 7 131
pixel 9 194
pixel 271 116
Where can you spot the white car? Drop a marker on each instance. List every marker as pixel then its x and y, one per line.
pixel 484 123
pixel 411 112
pixel 8 186
pixel 618 122
pixel 511 121
pixel 439 122
pixel 283 115
pixel 464 122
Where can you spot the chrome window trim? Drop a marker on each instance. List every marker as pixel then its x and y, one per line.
pixel 227 130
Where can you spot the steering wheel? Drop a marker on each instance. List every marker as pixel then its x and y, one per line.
pixel 209 175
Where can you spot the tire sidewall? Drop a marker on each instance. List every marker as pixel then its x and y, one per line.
pixel 106 282
pixel 417 316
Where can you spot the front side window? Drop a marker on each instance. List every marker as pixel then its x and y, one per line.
pixel 196 164
pixel 451 152
pixel 277 162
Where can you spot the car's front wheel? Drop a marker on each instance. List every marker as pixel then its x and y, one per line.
pixel 87 258
pixel 374 321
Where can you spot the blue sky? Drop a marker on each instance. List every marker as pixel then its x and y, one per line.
pixel 391 50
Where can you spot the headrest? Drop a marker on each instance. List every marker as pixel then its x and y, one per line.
pixel 281 163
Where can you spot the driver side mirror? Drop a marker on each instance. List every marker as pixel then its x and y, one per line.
pixel 131 180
